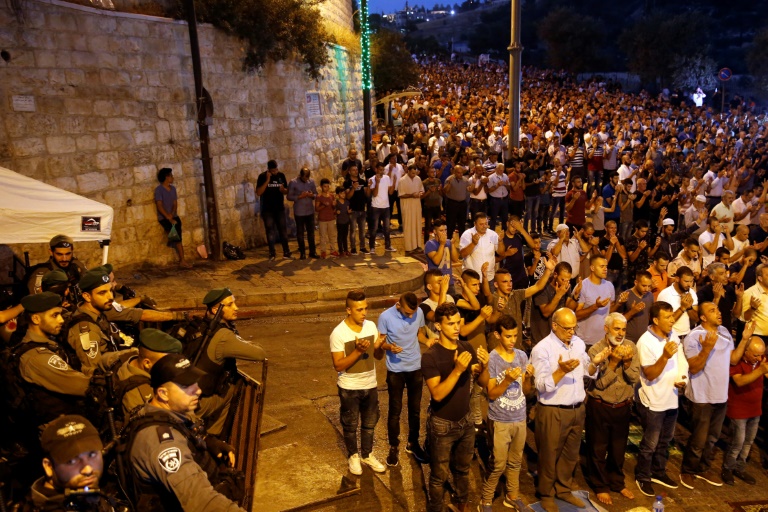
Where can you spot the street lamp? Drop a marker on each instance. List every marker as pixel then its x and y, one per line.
pixel 515 49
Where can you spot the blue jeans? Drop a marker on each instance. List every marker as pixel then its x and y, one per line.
pixel 451 446
pixel 356 223
pixel 275 220
pixel 376 215
pixel 658 430
pixel 707 422
pixel 743 434
pixel 359 406
pixel 531 213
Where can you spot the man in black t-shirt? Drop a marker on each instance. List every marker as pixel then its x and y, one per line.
pixel 447 367
pixel 357 194
pixel 271 186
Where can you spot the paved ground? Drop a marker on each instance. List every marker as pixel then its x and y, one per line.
pixel 282 287
pixel 302 393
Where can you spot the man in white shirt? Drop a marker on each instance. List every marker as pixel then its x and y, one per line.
pixel 663 375
pixel 498 189
pixel 567 248
pixel 355 343
pixel 681 296
pixel 712 239
pixel 744 207
pixel 724 212
pixel 626 172
pixel 380 187
pixel 479 245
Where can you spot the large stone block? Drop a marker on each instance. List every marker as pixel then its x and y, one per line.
pixel 119 124
pixel 59 145
pixel 92 182
pixel 107 160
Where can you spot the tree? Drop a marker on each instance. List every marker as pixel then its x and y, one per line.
pixel 694 71
pixel 272 29
pixel 654 42
pixel 757 59
pixel 391 63
pixel 573 40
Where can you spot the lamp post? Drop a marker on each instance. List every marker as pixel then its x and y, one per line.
pixel 515 49
pixel 365 64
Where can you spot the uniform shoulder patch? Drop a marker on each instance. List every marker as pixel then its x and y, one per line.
pixel 117 307
pixel 170 459
pixel 57 363
pixel 164 433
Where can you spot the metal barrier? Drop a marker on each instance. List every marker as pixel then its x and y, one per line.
pixel 244 422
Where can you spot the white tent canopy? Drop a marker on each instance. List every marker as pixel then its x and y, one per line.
pixel 34 212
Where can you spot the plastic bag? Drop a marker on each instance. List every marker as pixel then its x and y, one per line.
pixel 173 235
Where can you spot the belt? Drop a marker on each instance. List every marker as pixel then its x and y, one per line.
pixel 714 197
pixel 477 200
pixel 612 405
pixel 573 406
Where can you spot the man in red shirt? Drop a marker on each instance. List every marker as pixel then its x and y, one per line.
pixel 745 396
pixel 576 205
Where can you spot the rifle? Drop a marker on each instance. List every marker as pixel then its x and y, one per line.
pixel 215 321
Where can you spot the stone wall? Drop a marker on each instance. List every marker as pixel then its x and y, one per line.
pixel 113 97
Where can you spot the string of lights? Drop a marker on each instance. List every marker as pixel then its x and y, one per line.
pixel 365 45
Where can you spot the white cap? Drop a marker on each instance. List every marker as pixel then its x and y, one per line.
pixel 668 222
pixel 701 198
pixel 497 129
pixel 561 227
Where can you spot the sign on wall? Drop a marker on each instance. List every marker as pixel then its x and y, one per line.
pixel 313 104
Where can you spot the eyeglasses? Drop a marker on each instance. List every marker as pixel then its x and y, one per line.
pixel 566 329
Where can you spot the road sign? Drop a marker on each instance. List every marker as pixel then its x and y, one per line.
pixel 725 74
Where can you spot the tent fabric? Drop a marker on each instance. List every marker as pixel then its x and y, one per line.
pixel 34 212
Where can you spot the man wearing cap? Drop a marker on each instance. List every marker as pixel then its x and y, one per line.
pixel 134 375
pixel 50 385
pixel 218 358
pixel 175 468
pixel 90 331
pixel 72 462
pixel 672 241
pixel 62 258
pixel 57 281
pixel 568 249
pixel 697 214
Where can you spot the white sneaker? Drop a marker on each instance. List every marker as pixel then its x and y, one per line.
pixel 374 464
pixel 354 465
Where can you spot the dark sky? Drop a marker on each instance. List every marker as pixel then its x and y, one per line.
pixel 387 6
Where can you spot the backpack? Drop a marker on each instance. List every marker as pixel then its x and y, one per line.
pixel 14 396
pixel 233 252
pixel 191 333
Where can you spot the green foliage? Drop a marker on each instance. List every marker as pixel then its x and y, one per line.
pixel 654 42
pixel 493 34
pixel 692 71
pixel 757 59
pixel 573 40
pixel 272 29
pixel 424 45
pixel 393 67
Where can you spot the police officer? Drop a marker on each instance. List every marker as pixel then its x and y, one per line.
pixel 91 331
pixel 57 281
pixel 73 465
pixel 51 386
pixel 62 258
pixel 176 468
pixel 134 376
pixel 218 357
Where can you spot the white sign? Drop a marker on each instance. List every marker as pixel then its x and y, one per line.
pixel 23 103
pixel 313 104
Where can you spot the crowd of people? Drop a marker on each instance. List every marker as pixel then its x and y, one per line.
pixel 90 384
pixel 627 279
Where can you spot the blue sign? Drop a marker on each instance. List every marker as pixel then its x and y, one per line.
pixel 725 74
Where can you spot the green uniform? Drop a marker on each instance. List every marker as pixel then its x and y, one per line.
pixel 44 367
pixel 91 336
pixel 135 398
pixel 74 271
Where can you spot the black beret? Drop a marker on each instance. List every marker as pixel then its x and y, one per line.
pixel 213 297
pixel 158 341
pixel 40 302
pixel 93 279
